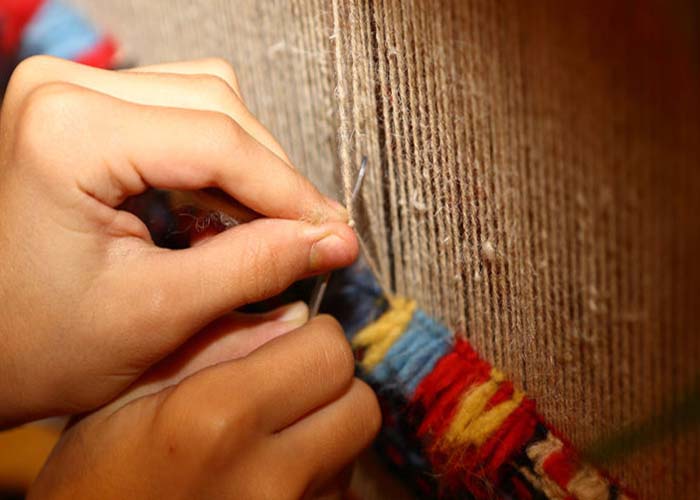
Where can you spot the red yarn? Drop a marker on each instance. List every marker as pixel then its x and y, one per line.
pixel 14 16
pixel 439 393
pixel 561 467
pixel 489 463
pixel 504 393
pixel 100 56
pixel 478 469
pixel 511 437
pixel 522 492
pixel 575 462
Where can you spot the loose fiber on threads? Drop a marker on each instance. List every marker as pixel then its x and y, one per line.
pixel 352 196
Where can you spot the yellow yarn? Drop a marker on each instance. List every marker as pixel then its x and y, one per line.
pixel 378 337
pixel 472 405
pixel 485 425
pixel 473 426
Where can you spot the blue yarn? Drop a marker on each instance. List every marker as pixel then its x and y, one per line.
pixel 59 31
pixel 414 355
pixel 354 298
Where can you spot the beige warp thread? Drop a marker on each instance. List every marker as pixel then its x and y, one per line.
pixel 534 176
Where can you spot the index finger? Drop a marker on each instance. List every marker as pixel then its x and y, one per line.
pixel 143 146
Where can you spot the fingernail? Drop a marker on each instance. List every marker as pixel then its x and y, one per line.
pixel 338 208
pixel 325 249
pixel 298 312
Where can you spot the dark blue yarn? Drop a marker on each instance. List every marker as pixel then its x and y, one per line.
pixel 354 298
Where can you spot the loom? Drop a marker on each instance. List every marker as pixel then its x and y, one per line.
pixel 530 214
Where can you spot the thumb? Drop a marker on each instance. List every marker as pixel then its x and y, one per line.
pixel 181 291
pixel 231 337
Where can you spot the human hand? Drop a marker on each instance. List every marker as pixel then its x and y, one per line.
pixel 279 423
pixel 87 302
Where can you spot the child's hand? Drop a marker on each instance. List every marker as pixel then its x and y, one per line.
pixel 87 302
pixel 279 423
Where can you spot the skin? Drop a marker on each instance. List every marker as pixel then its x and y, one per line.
pixel 179 396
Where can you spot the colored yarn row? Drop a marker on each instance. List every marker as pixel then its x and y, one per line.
pixel 453 425
pixel 50 27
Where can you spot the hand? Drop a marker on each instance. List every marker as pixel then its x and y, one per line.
pixel 280 423
pixel 87 302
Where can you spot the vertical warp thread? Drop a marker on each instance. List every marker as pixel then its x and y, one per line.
pixel 561 175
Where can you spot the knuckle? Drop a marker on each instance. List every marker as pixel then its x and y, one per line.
pixel 47 98
pixel 216 88
pixel 209 426
pixel 187 419
pixel 216 424
pixel 224 140
pixel 37 62
pixel 45 113
pixel 223 69
pixel 29 72
pixel 198 434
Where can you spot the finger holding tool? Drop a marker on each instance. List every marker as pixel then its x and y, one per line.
pixel 322 281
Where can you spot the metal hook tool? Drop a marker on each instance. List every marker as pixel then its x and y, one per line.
pixel 322 281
